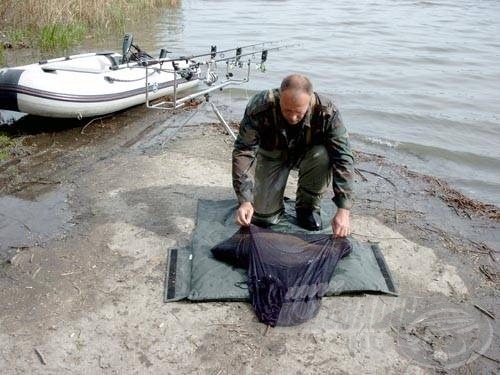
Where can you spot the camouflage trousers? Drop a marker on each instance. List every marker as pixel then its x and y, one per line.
pixel 271 174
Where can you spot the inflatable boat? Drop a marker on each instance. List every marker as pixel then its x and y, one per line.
pixel 93 84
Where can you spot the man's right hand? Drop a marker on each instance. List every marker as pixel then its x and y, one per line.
pixel 244 214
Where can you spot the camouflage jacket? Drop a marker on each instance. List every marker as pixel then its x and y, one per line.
pixel 264 126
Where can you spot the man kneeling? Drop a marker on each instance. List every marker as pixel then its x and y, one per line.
pixel 286 128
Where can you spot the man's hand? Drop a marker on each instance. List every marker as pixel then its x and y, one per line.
pixel 244 214
pixel 341 226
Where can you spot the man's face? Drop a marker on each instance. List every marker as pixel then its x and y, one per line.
pixel 294 106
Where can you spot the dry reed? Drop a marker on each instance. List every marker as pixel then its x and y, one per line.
pixel 23 14
pixel 28 18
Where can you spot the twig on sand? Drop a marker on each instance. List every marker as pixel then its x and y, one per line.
pixel 382 300
pixel 356 170
pixel 439 232
pixel 240 332
pixel 36 272
pixel 40 182
pixel 378 175
pixel 452 240
pixel 419 336
pixel 484 311
pixel 481 245
pixel 175 316
pixel 377 238
pixel 484 270
pixel 91 121
pixel 485 356
pixel 106 291
pixel 396 212
pixel 372 200
pixel 78 289
pixel 459 201
pixel 455 209
pixel 40 356
pixel 190 339
pixel 488 250
pixel 70 273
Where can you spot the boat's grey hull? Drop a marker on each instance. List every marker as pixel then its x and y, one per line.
pixel 89 87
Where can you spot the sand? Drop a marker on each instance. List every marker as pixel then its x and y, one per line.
pixel 84 294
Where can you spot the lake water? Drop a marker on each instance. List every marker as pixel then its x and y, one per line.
pixel 417 81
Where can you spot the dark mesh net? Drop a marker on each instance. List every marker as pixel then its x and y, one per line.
pixel 288 273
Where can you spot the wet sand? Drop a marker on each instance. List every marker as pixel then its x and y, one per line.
pixel 83 293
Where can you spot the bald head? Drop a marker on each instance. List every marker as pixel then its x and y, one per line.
pixel 297 83
pixel 295 93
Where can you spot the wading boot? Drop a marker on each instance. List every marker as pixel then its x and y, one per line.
pixel 309 218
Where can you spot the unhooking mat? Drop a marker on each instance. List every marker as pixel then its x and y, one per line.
pixel 193 273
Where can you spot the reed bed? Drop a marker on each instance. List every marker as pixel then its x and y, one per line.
pixel 57 23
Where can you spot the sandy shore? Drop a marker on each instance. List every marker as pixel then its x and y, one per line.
pixel 82 271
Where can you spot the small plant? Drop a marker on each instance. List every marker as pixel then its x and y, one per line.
pixel 6 144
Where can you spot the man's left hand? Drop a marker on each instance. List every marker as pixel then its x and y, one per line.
pixel 341 225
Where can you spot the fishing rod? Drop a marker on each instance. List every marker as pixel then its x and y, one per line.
pixel 236 58
pixel 187 68
pixel 146 60
pixel 264 51
pixel 193 70
pixel 213 52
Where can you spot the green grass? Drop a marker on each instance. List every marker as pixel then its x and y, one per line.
pixel 6 144
pixel 17 37
pixel 60 35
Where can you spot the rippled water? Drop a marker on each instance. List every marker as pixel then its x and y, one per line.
pixel 418 81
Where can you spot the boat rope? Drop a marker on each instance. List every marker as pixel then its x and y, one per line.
pixel 111 79
pixel 187 74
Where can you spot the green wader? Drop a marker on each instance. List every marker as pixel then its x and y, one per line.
pixel 271 174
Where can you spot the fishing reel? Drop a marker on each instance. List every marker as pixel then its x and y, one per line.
pixel 185 73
